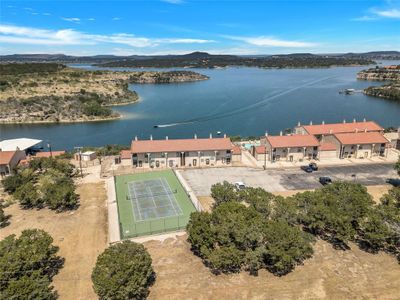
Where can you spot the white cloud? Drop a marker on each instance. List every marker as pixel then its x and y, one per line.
pixel 46 14
pixel 116 19
pixel 91 19
pixel 389 13
pixel 73 20
pixel 264 41
pixel 27 35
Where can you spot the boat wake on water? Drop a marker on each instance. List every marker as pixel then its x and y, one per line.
pixel 260 103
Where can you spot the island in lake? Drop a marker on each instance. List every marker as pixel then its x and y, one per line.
pixel 388 73
pixel 53 92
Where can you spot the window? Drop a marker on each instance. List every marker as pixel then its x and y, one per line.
pixel 171 163
pixel 228 151
pixel 187 154
pixel 360 148
pixel 163 154
pixel 207 161
pixel 299 149
pixel 157 163
pixel 194 162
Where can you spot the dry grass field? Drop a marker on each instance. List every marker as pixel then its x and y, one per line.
pixel 329 274
pixel 81 236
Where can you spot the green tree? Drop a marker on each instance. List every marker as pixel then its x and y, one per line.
pixel 397 167
pixel 258 198
pixel 224 192
pixel 285 247
pixel 335 211
pixel 3 218
pixel 28 196
pixel 60 194
pixel 28 264
pixel 123 271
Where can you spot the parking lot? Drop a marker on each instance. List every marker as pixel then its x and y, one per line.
pixel 277 180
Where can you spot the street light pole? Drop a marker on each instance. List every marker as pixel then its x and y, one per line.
pixel 80 158
pixel 49 146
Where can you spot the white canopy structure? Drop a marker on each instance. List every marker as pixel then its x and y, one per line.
pixel 18 144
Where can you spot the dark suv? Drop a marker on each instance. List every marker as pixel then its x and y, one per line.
pixel 325 180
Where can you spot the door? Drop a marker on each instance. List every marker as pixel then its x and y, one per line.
pixel 183 159
pixel 194 162
pixel 140 163
pixel 291 158
pixel 366 154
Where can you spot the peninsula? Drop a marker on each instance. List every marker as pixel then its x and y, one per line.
pixel 206 60
pixel 52 92
pixel 390 90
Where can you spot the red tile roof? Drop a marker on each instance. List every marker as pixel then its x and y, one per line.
pixel 47 154
pixel 361 138
pixel 126 154
pixel 6 156
pixel 178 145
pixel 236 150
pixel 342 127
pixel 326 146
pixel 289 141
pixel 260 149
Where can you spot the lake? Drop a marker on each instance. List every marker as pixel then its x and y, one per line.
pixel 235 101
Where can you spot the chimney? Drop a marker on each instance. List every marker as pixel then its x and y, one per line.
pixel 365 120
pixel 365 129
pixel 356 130
pixel 323 122
pixel 354 120
pixel 310 122
pixel 266 132
pixel 330 131
pixel 281 133
pixel 210 135
pixel 344 121
pixel 195 136
pixel 136 138
pixel 298 124
pixel 166 137
pixel 151 137
pixel 225 135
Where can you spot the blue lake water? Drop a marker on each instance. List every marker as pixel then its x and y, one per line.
pixel 236 101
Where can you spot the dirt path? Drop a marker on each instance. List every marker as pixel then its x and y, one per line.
pixel 330 274
pixel 81 236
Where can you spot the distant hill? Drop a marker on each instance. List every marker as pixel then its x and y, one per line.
pixel 98 59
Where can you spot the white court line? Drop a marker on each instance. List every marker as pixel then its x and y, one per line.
pixel 163 181
pixel 137 204
pixel 152 198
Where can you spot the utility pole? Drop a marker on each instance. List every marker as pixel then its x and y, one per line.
pixel 79 149
pixel 265 157
pixel 49 146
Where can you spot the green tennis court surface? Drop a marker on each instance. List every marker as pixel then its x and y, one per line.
pixel 151 203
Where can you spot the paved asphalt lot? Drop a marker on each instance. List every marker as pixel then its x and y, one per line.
pixel 276 180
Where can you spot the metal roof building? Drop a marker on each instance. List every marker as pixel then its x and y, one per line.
pixel 18 144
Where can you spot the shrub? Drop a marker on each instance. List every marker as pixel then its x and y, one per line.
pixel 27 265
pixel 123 271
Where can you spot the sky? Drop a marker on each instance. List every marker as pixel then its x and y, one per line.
pixel 156 27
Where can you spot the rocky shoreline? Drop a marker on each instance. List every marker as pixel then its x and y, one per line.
pixel 72 95
pixel 389 91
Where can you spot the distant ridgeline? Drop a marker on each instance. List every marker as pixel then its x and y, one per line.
pixel 388 73
pixel 52 92
pixel 205 60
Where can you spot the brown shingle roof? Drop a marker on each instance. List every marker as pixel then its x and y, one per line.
pixel 289 141
pixel 236 150
pixel 326 146
pixel 184 145
pixel 361 138
pixel 126 154
pixel 342 127
pixel 6 156
pixel 47 154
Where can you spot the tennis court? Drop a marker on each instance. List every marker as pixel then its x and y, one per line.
pixel 150 203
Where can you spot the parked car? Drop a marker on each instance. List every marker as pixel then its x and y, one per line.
pixel 240 185
pixel 324 180
pixel 393 181
pixel 307 169
pixel 313 166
